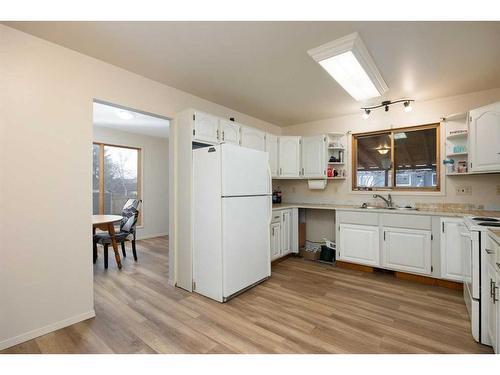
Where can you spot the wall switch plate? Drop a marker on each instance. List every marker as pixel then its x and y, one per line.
pixel 463 190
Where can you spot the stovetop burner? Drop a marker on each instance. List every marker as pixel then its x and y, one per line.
pixel 491 219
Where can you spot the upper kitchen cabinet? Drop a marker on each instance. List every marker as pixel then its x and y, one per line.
pixel 272 149
pixel 484 139
pixel 253 138
pixel 289 156
pixel 314 156
pixel 206 128
pixel 230 131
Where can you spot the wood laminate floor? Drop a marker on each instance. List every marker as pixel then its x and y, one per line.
pixel 304 307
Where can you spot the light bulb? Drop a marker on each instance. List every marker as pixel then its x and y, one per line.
pixel 366 114
pixel 408 106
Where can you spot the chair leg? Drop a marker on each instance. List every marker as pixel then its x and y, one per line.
pixel 106 256
pixel 133 250
pixel 94 248
pixel 123 249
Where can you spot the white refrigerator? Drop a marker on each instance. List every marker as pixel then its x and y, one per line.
pixel 232 208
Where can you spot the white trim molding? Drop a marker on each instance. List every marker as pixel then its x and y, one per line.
pixel 46 329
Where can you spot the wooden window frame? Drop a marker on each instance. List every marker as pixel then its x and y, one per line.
pixel 101 175
pixel 391 132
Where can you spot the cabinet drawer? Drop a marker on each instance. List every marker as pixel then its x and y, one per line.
pixel 356 217
pixel 406 221
pixel 276 218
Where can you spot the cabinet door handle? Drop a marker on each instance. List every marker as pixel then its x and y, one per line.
pixel 493 293
pixel 281 171
pixel 217 133
pixel 442 226
pixel 489 251
pixel 273 231
pixel 223 136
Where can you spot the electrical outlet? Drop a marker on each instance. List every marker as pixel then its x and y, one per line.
pixel 463 190
pixel 498 189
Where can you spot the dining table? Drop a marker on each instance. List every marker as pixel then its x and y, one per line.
pixel 107 223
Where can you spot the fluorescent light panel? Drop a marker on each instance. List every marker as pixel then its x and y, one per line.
pixel 347 60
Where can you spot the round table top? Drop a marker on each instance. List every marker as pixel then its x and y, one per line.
pixel 105 219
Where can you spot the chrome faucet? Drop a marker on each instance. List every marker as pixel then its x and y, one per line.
pixel 388 200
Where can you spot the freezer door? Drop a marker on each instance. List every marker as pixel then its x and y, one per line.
pixel 245 171
pixel 245 242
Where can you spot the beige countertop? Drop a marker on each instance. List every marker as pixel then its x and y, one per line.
pixel 453 212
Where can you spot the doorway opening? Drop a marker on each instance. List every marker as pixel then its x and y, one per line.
pixel 130 203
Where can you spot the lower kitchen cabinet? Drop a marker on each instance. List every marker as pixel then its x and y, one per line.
pixel 275 240
pixel 286 226
pixel 493 288
pixel 359 244
pixel 284 232
pixel 451 254
pixel 407 250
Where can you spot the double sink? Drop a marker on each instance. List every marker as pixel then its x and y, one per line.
pixel 406 208
pixel 389 205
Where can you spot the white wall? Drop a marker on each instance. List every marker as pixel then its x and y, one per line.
pixel 154 152
pixel 484 187
pixel 45 175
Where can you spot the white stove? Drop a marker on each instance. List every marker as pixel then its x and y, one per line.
pixel 473 242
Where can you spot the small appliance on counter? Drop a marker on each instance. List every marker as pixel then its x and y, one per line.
pixel 277 196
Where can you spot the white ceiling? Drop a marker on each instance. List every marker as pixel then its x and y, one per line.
pixel 262 68
pixel 106 116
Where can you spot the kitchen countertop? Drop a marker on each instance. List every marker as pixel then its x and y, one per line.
pixel 452 212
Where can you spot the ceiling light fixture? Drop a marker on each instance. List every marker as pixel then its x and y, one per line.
pixel 408 106
pixel 124 115
pixel 348 61
pixel 386 104
pixel 366 114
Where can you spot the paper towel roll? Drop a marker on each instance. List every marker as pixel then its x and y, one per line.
pixel 316 184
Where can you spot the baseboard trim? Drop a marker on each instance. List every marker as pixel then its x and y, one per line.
pixel 148 236
pixel 46 329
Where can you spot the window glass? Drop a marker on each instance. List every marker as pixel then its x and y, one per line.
pixel 410 161
pixel 120 177
pixel 374 161
pixel 415 158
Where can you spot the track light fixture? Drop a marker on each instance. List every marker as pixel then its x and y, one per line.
pixel 386 104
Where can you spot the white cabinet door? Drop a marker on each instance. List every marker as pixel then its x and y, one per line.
pixel 451 253
pixel 275 240
pixel 289 156
pixel 407 250
pixel 206 128
pixel 230 131
pixel 314 156
pixel 286 233
pixel 253 138
pixel 272 149
pixel 491 304
pixel 484 139
pixel 359 244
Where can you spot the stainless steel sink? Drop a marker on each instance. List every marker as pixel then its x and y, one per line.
pixel 365 206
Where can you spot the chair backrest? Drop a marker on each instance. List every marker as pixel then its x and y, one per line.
pixel 130 213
